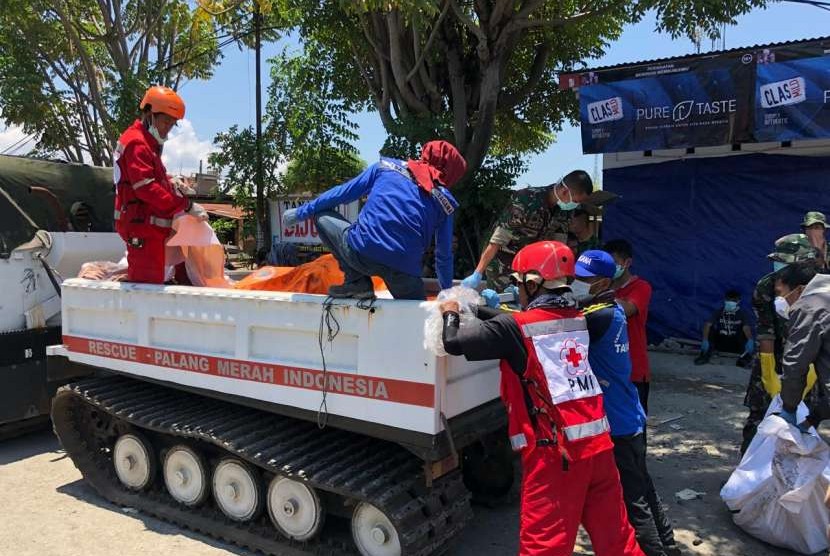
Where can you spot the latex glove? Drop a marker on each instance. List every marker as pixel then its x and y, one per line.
pixel 749 347
pixel 472 281
pixel 198 211
pixel 704 346
pixel 789 417
pixel 290 218
pixel 491 298
pixel 513 290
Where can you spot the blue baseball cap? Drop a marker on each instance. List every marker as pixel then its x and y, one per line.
pixel 595 263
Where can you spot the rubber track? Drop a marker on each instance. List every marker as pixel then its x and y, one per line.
pixel 350 465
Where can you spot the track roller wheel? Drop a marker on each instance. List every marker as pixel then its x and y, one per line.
pixel 134 462
pixel 294 508
pixel 373 533
pixel 236 489
pixel 185 475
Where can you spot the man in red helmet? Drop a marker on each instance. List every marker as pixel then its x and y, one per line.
pixel 145 201
pixel 556 417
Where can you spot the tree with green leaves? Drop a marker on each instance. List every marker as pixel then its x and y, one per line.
pixel 482 74
pixel 73 71
pixel 307 132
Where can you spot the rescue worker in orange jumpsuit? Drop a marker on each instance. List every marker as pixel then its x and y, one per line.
pixel 556 417
pixel 145 201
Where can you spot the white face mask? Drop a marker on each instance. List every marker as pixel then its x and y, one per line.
pixel 156 135
pixel 782 307
pixel 580 288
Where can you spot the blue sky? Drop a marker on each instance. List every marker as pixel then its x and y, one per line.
pixel 228 98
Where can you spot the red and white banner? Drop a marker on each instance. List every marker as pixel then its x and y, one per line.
pixel 304 232
pixel 376 388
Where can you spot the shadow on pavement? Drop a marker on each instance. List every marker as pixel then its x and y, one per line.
pixel 83 492
pixel 24 447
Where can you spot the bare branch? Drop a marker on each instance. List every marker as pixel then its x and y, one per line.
pixel 483 51
pixel 396 59
pixel 497 15
pixel 430 40
pixel 381 100
pixel 141 44
pixel 537 69
pixel 89 68
pixel 525 23
pixel 528 8
pixel 366 33
pixel 458 93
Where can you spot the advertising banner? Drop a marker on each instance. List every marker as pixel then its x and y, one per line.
pixel 792 99
pixel 670 106
pixel 304 233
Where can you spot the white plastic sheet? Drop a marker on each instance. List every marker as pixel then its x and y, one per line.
pixel 434 325
pixel 778 488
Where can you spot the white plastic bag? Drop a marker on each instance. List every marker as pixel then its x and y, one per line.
pixel 777 491
pixel 434 324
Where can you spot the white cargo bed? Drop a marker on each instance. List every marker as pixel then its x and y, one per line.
pixel 264 346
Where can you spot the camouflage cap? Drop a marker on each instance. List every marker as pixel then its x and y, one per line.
pixel 792 248
pixel 814 217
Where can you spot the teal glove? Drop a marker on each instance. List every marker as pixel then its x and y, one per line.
pixel 472 281
pixel 513 290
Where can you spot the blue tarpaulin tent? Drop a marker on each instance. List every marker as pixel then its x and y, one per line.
pixel 701 226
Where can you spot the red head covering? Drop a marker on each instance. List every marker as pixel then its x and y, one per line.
pixel 441 162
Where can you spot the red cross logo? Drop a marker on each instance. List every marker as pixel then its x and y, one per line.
pixel 573 353
pixel 574 357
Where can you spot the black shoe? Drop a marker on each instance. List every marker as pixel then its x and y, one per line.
pixel 703 358
pixel 355 290
pixel 744 360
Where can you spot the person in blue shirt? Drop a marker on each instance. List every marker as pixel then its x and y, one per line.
pixel 408 205
pixel 608 356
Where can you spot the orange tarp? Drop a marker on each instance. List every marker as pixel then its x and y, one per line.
pixel 313 277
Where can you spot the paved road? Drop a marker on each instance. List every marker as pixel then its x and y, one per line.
pixel 51 511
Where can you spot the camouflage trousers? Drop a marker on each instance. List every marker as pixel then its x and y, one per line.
pixel 757 401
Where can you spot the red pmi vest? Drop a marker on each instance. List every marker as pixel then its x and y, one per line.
pixel 558 400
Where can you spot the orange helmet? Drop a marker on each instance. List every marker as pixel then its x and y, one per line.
pixel 550 262
pixel 164 100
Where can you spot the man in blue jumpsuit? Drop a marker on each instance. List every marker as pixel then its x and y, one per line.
pixel 608 356
pixel 408 204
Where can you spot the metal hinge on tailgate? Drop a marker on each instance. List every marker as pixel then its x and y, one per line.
pixel 435 469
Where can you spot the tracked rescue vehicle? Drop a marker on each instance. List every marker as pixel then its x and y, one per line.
pixel 284 423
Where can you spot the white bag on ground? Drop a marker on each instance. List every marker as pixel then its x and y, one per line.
pixel 777 491
pixel 434 325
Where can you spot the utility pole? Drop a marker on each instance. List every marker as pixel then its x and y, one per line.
pixel 262 233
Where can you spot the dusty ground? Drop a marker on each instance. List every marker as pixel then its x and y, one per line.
pixel 51 511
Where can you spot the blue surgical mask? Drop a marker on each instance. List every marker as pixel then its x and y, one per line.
pixel 619 271
pixel 730 306
pixel 778 265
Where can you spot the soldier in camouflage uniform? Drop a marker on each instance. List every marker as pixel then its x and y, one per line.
pixel 533 214
pixel 814 226
pixel 770 332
